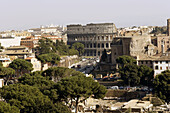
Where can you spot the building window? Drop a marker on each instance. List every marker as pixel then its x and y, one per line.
pixel 90 45
pixel 166 67
pixel 146 62
pixel 102 45
pixel 156 62
pixel 95 53
pixel 98 53
pixel 160 62
pixel 87 46
pixel 107 45
pixel 156 67
pixel 107 37
pixel 98 45
pixel 150 62
pixel 141 62
pixel 94 45
pixel 161 68
pixel 166 62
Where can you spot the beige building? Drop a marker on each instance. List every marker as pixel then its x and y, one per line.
pixel 132 46
pixel 35 62
pixel 32 42
pixel 137 106
pixel 5 60
pixel 17 51
pixel 162 43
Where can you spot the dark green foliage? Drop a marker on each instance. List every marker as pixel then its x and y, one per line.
pixel 78 87
pixel 27 98
pixel 73 52
pixel 6 108
pixel 21 66
pixel 57 73
pixel 159 30
pixel 62 48
pixel 133 74
pixel 162 85
pixel 51 58
pixel 146 73
pixel 6 73
pixel 123 60
pixel 46 86
pixel 46 46
pixel 79 47
pixel 129 73
pixel 1 64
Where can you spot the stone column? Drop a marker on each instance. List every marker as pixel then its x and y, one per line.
pixel 109 45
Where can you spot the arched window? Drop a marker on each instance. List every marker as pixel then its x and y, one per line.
pixel 99 45
pixel 102 45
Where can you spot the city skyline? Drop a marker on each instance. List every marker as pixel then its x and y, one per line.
pixel 19 14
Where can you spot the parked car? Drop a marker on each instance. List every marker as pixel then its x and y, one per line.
pixel 114 87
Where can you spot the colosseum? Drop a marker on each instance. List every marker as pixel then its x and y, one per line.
pixel 95 37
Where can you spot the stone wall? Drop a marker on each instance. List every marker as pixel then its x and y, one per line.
pixel 132 46
pixel 95 37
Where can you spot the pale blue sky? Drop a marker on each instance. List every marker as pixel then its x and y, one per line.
pixel 24 14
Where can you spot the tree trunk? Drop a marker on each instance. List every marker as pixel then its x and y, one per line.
pixel 42 65
pixel 77 101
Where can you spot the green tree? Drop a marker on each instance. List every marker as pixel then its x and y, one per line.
pixel 45 46
pixel 54 59
pixel 146 74
pixel 79 47
pixel 159 30
pixel 129 73
pixel 1 64
pixel 73 52
pixel 28 99
pixel 6 108
pixel 62 48
pixel 6 73
pixel 57 73
pixel 46 86
pixel 78 88
pixel 123 60
pixel 162 85
pixel 51 58
pixel 21 66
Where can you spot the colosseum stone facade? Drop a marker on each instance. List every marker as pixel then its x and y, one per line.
pixel 95 37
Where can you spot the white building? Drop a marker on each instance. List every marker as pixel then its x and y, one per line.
pixel 160 66
pixel 157 63
pixel 35 62
pixel 1 83
pixel 12 41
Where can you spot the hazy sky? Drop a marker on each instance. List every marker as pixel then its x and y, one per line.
pixel 24 14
